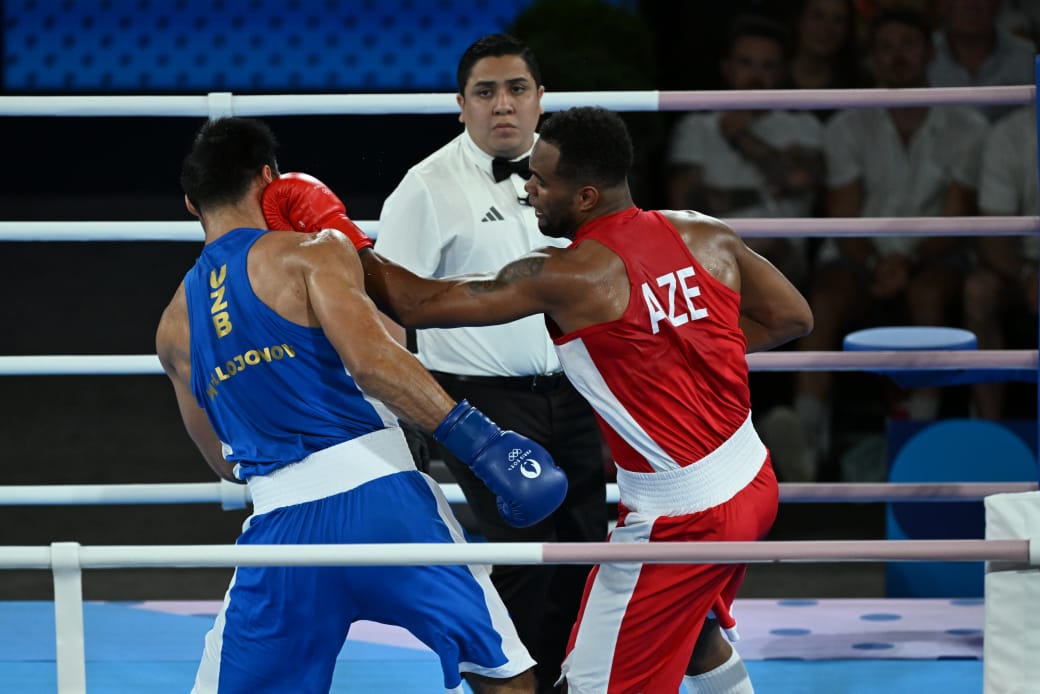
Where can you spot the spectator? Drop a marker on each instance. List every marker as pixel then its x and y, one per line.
pixel 869 10
pixel 1003 288
pixel 916 161
pixel 750 163
pixel 973 50
pixel 826 54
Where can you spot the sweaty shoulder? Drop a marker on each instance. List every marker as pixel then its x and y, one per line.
pixel 288 250
pixel 712 242
pixel 281 264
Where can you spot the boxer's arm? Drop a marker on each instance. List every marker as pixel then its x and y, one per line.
pixel 539 282
pixel 526 482
pixel 772 310
pixel 172 346
pixel 380 366
pixel 524 287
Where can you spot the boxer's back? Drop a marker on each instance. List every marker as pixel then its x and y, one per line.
pixel 275 391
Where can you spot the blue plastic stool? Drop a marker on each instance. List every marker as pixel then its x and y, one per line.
pixel 955 450
pixel 918 338
pixel 912 338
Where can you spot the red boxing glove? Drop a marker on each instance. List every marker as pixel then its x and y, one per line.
pixel 300 202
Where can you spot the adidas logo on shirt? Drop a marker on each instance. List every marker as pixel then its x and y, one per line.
pixel 493 215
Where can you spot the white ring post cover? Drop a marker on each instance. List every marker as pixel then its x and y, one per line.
pixel 1011 639
pixel 68 617
pixel 219 104
pixel 233 496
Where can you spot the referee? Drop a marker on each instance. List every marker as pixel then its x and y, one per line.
pixel 462 210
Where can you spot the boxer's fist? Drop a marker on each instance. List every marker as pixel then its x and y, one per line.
pixel 521 474
pixel 300 202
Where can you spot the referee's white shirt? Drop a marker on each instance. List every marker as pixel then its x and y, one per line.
pixel 447 217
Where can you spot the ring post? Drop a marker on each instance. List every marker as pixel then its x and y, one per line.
pixel 1011 635
pixel 233 496
pixel 68 617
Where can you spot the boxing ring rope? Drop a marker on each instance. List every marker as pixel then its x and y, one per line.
pixel 233 496
pixel 67 560
pixel 909 360
pixel 748 227
pixel 1025 551
pixel 217 104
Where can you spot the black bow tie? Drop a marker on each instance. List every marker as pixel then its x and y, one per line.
pixel 503 168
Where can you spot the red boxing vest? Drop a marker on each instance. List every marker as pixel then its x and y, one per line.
pixel 669 379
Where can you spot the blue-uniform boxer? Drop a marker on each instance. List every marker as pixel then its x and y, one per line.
pixel 280 393
pixel 260 342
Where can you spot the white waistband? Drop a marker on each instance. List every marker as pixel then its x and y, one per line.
pixel 333 470
pixel 712 480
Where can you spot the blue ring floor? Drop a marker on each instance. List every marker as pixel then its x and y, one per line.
pixel 790 646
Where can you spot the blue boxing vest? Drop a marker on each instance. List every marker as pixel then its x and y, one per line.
pixel 274 391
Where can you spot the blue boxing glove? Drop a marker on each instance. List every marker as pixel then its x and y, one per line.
pixel 521 474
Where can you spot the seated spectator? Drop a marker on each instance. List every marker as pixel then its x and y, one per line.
pixel 973 50
pixel 868 11
pixel 754 163
pixel 890 162
pixel 1000 296
pixel 826 54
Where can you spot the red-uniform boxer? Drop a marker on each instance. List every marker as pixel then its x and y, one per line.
pixel 652 314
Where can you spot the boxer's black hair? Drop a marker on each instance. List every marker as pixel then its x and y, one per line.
pixel 225 158
pixel 594 145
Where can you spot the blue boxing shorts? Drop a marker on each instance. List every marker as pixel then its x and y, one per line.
pixel 281 628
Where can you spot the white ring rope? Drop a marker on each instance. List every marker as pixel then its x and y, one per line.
pixel 909 360
pixel 190 231
pixel 228 494
pixel 414 554
pixel 216 104
pixel 236 496
pixel 843 98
